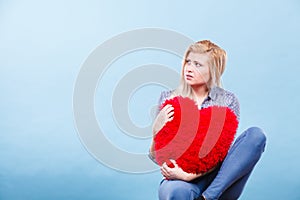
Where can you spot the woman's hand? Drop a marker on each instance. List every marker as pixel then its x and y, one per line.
pixel 176 172
pixel 164 116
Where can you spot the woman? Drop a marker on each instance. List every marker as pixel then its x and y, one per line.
pixel 203 65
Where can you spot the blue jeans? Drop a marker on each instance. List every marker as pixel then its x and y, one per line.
pixel 228 180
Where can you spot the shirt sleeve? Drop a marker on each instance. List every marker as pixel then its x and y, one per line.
pixel 163 96
pixel 152 158
pixel 235 106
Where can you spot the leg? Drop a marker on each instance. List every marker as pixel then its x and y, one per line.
pixel 235 190
pixel 181 190
pixel 177 190
pixel 237 166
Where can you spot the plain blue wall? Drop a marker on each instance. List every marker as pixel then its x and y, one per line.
pixel 44 43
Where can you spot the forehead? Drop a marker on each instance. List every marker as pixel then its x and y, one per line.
pixel 200 57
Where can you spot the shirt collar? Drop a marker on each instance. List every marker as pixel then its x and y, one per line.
pixel 213 92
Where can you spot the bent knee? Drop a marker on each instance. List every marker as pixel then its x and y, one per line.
pixel 257 136
pixel 176 190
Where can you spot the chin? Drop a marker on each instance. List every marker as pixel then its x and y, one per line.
pixel 198 85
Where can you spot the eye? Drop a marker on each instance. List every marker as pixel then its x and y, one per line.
pixel 188 61
pixel 197 64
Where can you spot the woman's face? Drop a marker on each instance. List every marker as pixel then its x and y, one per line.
pixel 196 70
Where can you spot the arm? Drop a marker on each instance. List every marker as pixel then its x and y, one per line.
pixel 177 173
pixel 164 116
pixel 234 105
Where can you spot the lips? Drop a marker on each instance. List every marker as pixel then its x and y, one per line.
pixel 188 76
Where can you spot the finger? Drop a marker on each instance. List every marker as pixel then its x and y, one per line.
pixel 166 107
pixel 166 167
pixel 164 172
pixel 174 162
pixel 170 114
pixel 170 119
pixel 169 109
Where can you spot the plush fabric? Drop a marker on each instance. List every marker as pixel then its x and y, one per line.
pixel 197 139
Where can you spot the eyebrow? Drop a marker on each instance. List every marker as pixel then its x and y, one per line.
pixel 187 58
pixel 198 62
pixel 194 61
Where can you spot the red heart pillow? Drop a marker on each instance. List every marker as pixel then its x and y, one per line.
pixel 197 139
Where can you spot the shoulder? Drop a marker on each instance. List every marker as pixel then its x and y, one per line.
pixel 226 95
pixel 164 95
pixel 227 98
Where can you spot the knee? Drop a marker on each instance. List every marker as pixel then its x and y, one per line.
pixel 257 137
pixel 174 190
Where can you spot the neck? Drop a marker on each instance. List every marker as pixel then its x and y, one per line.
pixel 200 91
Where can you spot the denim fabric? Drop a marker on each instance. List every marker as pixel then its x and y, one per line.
pixel 227 181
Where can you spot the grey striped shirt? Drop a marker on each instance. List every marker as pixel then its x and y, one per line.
pixel 216 97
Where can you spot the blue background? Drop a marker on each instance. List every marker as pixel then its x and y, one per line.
pixel 44 43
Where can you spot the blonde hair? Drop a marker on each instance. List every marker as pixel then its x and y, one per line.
pixel 216 63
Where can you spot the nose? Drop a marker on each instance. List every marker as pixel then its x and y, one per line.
pixel 188 68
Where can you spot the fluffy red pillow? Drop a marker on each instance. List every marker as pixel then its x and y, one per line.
pixel 197 139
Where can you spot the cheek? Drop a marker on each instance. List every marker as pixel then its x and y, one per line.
pixel 203 75
pixel 207 76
